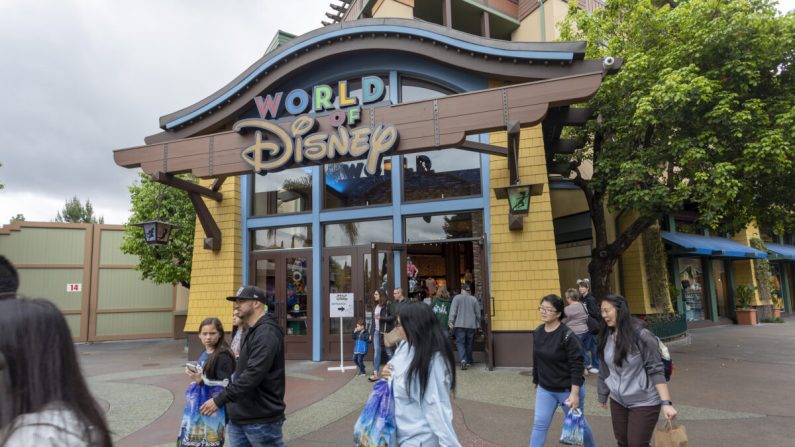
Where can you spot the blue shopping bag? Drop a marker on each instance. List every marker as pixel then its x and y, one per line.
pixel 376 425
pixel 572 428
pixel 197 430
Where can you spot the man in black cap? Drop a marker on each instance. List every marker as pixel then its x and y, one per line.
pixel 9 279
pixel 255 400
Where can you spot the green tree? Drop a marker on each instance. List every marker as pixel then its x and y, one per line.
pixel 149 200
pixel 701 114
pixel 19 217
pixel 75 212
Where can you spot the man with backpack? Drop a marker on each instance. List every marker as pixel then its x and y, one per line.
pixel 592 306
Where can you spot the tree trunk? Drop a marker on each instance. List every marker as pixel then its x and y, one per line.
pixel 601 271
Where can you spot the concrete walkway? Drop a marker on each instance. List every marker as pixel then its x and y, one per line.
pixel 732 387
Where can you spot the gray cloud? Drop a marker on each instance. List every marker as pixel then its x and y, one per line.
pixel 81 78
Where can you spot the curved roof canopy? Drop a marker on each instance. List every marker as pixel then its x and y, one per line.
pixel 515 61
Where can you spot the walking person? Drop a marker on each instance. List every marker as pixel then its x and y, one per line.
pixel 441 308
pixel 557 371
pixel 592 305
pixel 577 320
pixel 423 376
pixel 632 375
pixel 379 325
pixel 45 400
pixel 255 400
pixel 360 337
pixel 217 362
pixel 464 319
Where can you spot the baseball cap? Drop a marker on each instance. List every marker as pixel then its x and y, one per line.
pixel 249 293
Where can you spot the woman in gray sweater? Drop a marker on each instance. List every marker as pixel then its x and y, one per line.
pixel 631 374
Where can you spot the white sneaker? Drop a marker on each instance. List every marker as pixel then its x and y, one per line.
pixel 593 370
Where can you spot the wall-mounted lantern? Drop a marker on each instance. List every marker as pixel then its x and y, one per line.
pixel 156 232
pixel 518 201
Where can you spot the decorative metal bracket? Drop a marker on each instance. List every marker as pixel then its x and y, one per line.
pixel 212 240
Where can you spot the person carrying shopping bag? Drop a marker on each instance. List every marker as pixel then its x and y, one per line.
pixel 631 375
pixel 557 371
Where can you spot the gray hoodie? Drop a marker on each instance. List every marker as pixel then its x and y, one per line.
pixel 634 383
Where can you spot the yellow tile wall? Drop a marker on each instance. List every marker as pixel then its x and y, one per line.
pixel 524 264
pixel 216 275
pixel 633 272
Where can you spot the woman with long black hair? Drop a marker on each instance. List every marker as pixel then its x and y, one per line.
pixel 217 362
pixel 631 374
pixel 45 400
pixel 423 376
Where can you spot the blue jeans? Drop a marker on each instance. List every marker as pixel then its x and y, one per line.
pixel 464 337
pixel 358 359
pixel 546 404
pixel 591 348
pixel 254 435
pixel 376 352
pixel 586 340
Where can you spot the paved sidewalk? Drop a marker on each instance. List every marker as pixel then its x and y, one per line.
pixel 732 387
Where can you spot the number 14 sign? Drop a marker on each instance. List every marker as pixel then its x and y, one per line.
pixel 77 287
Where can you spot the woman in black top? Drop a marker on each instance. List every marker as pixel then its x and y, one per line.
pixel 217 361
pixel 557 371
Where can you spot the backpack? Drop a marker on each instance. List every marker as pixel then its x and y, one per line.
pixel 665 355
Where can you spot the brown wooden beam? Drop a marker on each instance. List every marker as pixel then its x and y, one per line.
pixel 569 116
pixel 484 148
pixel 565 146
pixel 212 240
pixel 513 128
pixel 217 183
pixel 186 186
pixel 423 125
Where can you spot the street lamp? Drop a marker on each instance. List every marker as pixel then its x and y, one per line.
pixel 519 197
pixel 156 232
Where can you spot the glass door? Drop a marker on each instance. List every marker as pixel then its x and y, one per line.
pixel 286 280
pixel 341 275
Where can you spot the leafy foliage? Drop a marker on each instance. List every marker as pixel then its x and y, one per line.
pixel 18 218
pixel 171 263
pixel 75 212
pixel 744 294
pixel 701 114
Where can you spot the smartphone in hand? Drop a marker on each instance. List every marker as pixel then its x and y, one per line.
pixel 193 367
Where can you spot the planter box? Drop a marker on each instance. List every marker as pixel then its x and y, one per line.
pixel 776 313
pixel 746 316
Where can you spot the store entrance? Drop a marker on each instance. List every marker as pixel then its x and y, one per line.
pixel 352 270
pixel 432 267
pixel 286 278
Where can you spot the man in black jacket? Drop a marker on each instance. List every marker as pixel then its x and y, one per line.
pixel 255 400
pixel 592 306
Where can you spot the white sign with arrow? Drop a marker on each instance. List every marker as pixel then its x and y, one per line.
pixel 341 305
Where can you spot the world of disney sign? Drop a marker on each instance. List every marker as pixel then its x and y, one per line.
pixel 301 143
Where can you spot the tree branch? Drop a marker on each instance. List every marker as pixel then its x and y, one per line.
pixel 625 239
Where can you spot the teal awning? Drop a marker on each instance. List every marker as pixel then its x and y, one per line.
pixel 780 252
pixel 697 245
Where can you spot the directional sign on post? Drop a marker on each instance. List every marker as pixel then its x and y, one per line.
pixel 341 305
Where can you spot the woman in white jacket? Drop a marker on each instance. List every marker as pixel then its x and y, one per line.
pixel 45 400
pixel 423 376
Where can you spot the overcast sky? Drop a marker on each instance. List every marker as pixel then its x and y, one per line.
pixel 81 78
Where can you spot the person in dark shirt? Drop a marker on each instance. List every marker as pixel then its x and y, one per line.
pixel 557 371
pixel 217 362
pixel 592 305
pixel 255 400
pixel 9 279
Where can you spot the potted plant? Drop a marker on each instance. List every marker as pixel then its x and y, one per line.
pixel 778 304
pixel 743 294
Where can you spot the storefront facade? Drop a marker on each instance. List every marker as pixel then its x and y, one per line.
pixel 365 156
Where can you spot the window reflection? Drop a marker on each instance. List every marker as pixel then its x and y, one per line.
pixel 283 238
pixel 283 192
pixel 345 234
pixel 444 226
pixel 347 184
pixel 437 174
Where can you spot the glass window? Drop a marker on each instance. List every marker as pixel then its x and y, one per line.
pixel 349 185
pixel 283 192
pixel 691 277
pixel 444 226
pixel 357 233
pixel 439 174
pixel 282 238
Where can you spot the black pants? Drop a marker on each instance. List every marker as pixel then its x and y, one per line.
pixel 633 427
